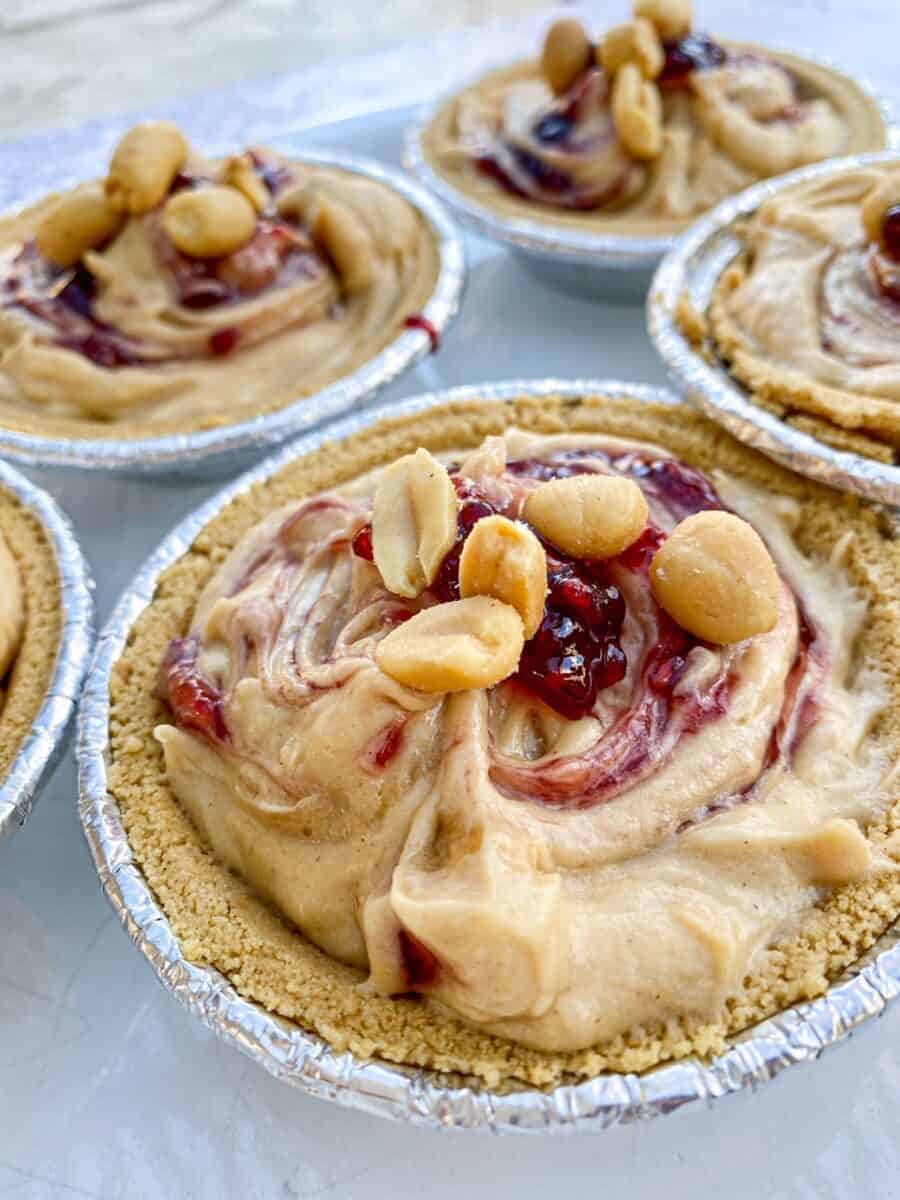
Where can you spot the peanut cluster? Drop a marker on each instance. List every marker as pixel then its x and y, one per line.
pixel 212 220
pixel 713 575
pixel 632 57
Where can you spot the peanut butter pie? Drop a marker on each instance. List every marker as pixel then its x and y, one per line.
pixel 181 293
pixel 640 131
pixel 807 317
pixel 524 740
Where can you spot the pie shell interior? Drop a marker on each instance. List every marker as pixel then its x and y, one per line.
pixel 29 677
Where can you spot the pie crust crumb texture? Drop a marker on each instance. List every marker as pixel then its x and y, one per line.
pixel 29 678
pixel 221 923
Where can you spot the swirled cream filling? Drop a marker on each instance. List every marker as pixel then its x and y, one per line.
pixel 142 332
pixel 551 878
pixel 816 300
pixel 12 610
pixel 730 115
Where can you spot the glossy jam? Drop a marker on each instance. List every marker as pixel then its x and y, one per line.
pixel 890 232
pixel 420 966
pixel 418 321
pixel 696 52
pixel 195 703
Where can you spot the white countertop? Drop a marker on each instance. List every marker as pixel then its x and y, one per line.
pixel 107 1087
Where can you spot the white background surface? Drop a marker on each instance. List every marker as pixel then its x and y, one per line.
pixel 108 1089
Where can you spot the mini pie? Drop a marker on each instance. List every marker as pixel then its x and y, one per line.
pixel 644 130
pixel 573 794
pixel 30 623
pixel 182 293
pixel 807 317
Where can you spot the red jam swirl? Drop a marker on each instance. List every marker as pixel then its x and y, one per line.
pixel 195 703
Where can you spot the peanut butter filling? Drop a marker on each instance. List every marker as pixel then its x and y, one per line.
pixel 808 317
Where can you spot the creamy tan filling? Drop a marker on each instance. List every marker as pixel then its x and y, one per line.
pixel 554 926
pixel 809 301
pixel 12 610
pixel 294 338
pixel 734 124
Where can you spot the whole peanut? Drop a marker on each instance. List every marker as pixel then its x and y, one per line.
pixel 714 576
pixel 209 222
pixel 567 53
pixel 454 647
pixel 143 166
pixel 588 516
pixel 78 222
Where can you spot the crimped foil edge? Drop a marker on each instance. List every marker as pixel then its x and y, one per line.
pixel 49 732
pixel 422 1097
pixel 693 265
pixel 225 446
pixel 602 250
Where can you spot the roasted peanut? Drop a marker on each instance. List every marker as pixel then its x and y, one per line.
pixel 672 18
pixel 78 222
pixel 240 173
pixel 143 166
pixel 636 42
pixel 588 516
pixel 413 522
pixel 637 112
pixel 503 559
pixel 471 643
pixel 714 576
pixel 567 54
pixel 885 195
pixel 209 222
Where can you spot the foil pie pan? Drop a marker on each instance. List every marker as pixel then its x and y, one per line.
pixel 215 452
pixel 600 265
pixel 47 739
pixel 694 266
pixel 423 1097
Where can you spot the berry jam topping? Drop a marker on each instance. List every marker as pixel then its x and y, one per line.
pixel 362 544
pixel 223 341
pixel 541 174
pixel 276 255
pixel 78 293
pixel 890 232
pixel 696 52
pixel 417 321
pixel 553 128
pixel 575 653
pixel 419 964
pixel 194 702
pixel 388 743
pixel 272 170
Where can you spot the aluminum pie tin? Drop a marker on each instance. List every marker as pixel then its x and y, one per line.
pixel 695 265
pixel 615 266
pixel 46 741
pixel 422 1097
pixel 217 451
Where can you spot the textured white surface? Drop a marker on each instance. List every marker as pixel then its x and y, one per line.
pixel 108 1089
